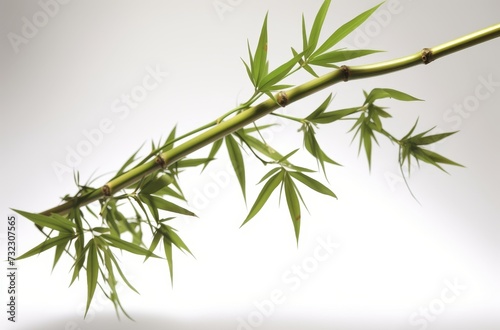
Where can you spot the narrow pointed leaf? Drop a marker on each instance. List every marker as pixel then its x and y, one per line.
pixel 92 273
pixel 293 205
pixel 260 59
pixel 156 184
pixel 62 239
pixel 174 238
pixel 127 246
pixel 313 115
pixel 213 151
pixel 275 76
pixel 316 28
pixel 380 93
pixel 312 183
pixel 264 194
pixel 167 244
pixel 338 56
pixel 237 162
pixel 55 221
pixel 331 116
pixel 344 30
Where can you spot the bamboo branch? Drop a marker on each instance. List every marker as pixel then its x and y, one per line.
pixel 283 98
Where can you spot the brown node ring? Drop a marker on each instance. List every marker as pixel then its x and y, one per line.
pixel 282 99
pixel 160 161
pixel 106 190
pixel 345 72
pixel 427 55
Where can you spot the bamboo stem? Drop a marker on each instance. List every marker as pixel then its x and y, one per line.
pixel 284 98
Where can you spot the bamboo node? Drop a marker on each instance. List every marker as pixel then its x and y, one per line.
pixel 106 190
pixel 160 161
pixel 345 72
pixel 427 55
pixel 282 99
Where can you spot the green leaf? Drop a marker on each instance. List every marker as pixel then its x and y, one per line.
pixel 113 258
pixel 331 116
pixel 380 93
pixel 156 184
pixel 264 194
pixel 423 140
pixel 213 151
pixel 155 202
pixel 344 30
pixel 312 146
pixel 312 183
pixel 154 243
pixel 80 257
pixel 193 162
pixel 270 80
pixel 55 221
pixel 129 161
pixel 260 59
pixel 167 244
pixel 316 28
pixel 237 162
pixel 59 250
pixel 304 39
pixel 168 145
pixel 127 246
pixel 328 59
pixel 319 111
pixel 61 239
pixel 172 235
pixel 293 204
pixel 92 273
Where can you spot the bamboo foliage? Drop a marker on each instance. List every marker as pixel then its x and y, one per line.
pixel 141 198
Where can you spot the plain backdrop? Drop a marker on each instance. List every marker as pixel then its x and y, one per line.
pixel 373 259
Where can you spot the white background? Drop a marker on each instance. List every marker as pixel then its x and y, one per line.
pixel 393 258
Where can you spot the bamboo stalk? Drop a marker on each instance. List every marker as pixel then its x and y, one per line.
pixel 284 98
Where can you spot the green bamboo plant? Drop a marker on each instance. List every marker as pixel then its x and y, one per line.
pixel 91 225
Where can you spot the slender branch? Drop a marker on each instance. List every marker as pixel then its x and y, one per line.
pixel 344 73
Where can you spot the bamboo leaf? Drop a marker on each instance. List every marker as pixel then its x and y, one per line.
pixel 55 221
pixel 117 265
pixel 92 273
pixel 344 30
pixel 293 205
pixel 156 202
pixel 174 238
pixel 316 28
pixel 167 244
pixel 331 116
pixel 213 151
pixel 380 93
pixel 156 184
pixel 61 239
pixel 312 183
pixel 328 59
pixel 154 243
pixel 127 246
pixel 264 194
pixel 305 45
pixel 431 138
pixel 319 111
pixel 80 257
pixel 260 59
pixel 59 250
pixel 270 80
pixel 237 162
pixel 129 161
pixel 168 145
